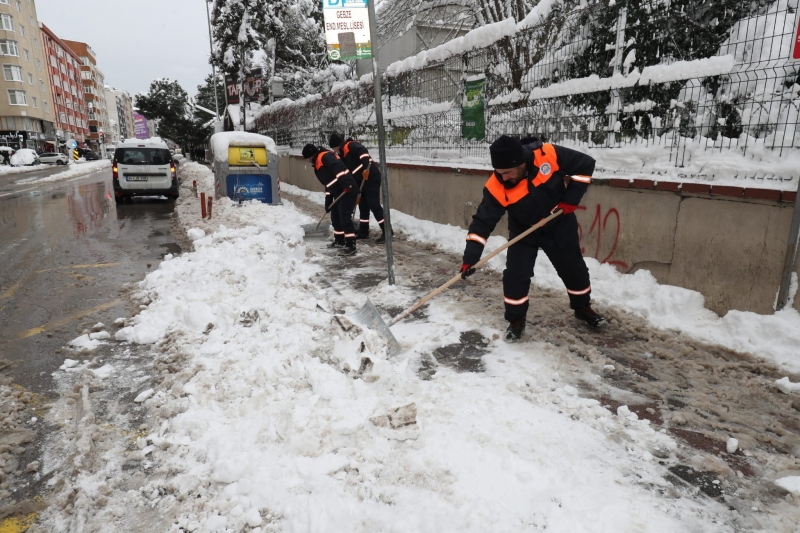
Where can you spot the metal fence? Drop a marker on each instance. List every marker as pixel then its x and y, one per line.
pixel 673 74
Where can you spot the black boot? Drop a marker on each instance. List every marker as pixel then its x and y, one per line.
pixel 363 230
pixel 588 315
pixel 349 247
pixel 514 330
pixel 382 238
pixel 338 241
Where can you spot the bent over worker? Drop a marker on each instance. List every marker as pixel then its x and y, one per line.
pixel 357 159
pixel 529 183
pixel 333 174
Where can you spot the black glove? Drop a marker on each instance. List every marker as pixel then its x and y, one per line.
pixel 467 270
pixel 328 202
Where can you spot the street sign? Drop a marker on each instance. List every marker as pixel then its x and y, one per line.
pixel 347 29
pixel 796 44
pixel 72 144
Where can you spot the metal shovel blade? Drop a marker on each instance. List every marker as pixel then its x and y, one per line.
pixel 369 317
pixel 311 230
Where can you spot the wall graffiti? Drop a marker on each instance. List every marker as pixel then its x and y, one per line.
pixel 604 227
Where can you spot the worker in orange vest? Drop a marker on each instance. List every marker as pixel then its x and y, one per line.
pixel 530 182
pixel 338 181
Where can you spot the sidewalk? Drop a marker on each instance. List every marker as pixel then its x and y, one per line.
pixel 270 416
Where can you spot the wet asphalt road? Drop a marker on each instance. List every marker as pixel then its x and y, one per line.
pixel 66 249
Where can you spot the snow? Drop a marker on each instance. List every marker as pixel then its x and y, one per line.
pixel 84 343
pixel 220 142
pixel 196 233
pixel 23 156
pixel 790 484
pixel 786 386
pixel 773 337
pixel 74 170
pixel 151 142
pixel 142 396
pixel 732 445
pixel 270 420
pixel 685 70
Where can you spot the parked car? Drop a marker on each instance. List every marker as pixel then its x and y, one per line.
pixel 91 156
pixel 25 157
pixel 54 158
pixel 144 168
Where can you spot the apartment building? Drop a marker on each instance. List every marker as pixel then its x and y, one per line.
pixel 27 117
pixel 120 115
pixel 64 70
pixel 94 93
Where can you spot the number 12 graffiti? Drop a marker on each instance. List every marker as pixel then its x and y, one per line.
pixel 601 224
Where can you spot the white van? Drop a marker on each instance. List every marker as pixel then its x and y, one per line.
pixel 144 168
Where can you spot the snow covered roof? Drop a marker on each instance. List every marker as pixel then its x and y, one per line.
pixel 220 142
pixel 152 142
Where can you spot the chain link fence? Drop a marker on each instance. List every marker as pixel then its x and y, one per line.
pixel 676 76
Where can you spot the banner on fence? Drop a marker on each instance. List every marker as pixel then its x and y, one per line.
pixel 796 46
pixel 473 122
pixel 347 29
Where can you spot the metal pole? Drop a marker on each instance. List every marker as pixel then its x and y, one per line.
pixel 213 68
pixel 242 97
pixel 791 256
pixel 376 78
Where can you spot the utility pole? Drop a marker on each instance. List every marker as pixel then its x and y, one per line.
pixel 376 78
pixel 213 67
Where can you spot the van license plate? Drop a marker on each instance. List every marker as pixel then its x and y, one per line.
pixel 136 178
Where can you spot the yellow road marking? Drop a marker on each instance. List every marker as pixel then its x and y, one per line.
pixel 18 524
pixel 70 267
pixel 66 320
pixel 11 290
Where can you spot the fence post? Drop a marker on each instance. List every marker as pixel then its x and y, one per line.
pixel 791 256
pixel 613 116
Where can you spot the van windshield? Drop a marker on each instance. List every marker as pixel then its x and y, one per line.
pixel 142 156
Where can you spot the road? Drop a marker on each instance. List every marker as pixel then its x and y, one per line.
pixel 66 250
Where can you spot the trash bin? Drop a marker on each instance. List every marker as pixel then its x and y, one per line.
pixel 245 167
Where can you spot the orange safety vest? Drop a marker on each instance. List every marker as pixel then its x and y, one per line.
pixel 318 163
pixel 544 159
pixel 346 148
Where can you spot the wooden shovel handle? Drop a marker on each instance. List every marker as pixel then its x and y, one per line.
pixel 326 212
pixel 479 264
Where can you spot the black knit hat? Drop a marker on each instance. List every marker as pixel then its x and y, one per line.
pixel 335 140
pixel 310 150
pixel 507 152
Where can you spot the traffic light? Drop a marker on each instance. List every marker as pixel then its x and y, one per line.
pixel 21 140
pixel 102 138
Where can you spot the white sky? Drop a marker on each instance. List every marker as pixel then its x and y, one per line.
pixel 137 41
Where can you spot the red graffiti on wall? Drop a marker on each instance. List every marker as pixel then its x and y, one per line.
pixel 600 223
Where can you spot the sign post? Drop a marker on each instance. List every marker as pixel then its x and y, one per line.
pixel 376 78
pixel 348 28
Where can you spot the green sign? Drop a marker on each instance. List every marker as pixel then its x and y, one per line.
pixel 473 121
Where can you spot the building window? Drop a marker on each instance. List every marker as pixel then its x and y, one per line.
pixel 71 120
pixel 19 6
pixel 5 2
pixel 85 61
pixel 38 64
pixel 56 81
pixel 62 117
pixel 27 54
pixel 9 48
pixel 53 62
pixel 45 106
pixel 22 30
pixel 86 75
pixel 16 97
pixel 93 129
pixel 6 22
pixel 34 102
pixel 41 86
pixel 12 73
pixel 30 79
pixel 35 42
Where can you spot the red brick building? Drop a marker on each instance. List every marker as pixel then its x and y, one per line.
pixel 64 69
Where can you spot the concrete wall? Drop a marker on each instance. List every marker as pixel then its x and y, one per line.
pixel 728 245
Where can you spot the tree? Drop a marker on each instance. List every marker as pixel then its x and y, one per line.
pixel 167 102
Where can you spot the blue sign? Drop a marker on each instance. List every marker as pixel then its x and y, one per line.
pixel 71 144
pixel 250 187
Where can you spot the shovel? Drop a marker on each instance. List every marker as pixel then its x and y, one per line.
pixel 369 317
pixel 312 230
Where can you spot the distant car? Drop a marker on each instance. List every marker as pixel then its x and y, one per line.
pixel 91 156
pixel 144 168
pixel 24 157
pixel 54 158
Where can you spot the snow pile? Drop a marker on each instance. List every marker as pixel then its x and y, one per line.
pixel 790 484
pixel 685 70
pixel 282 421
pixel 23 157
pixel 74 170
pixel 220 142
pixel 774 337
pixel 154 142
pixel 786 386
